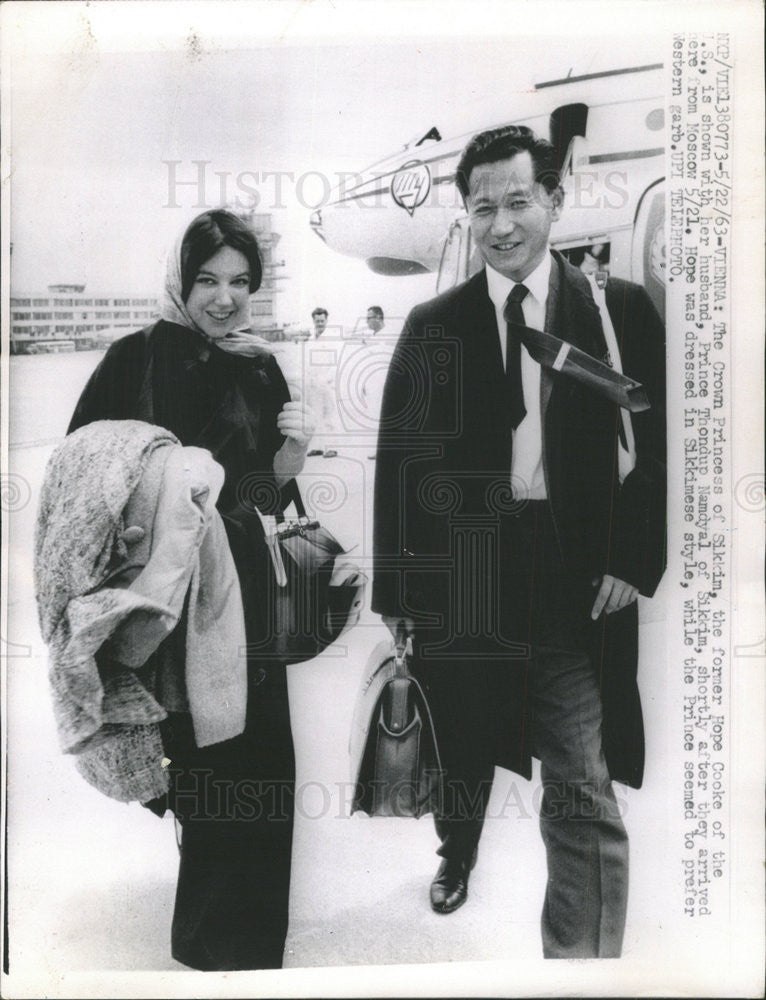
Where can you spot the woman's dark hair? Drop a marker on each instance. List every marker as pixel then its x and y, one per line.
pixel 502 144
pixel 206 235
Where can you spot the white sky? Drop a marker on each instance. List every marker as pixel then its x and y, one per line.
pixel 102 95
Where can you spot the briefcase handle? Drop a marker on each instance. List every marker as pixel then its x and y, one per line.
pixel 402 646
pixel 399 685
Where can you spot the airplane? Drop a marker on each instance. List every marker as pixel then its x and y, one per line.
pixel 404 215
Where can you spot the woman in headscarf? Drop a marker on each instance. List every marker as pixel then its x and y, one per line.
pixel 201 373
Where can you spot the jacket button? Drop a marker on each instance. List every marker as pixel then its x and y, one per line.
pixel 133 534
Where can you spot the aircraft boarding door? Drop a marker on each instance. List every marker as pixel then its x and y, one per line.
pixel 649 243
pixel 460 256
pixel 450 270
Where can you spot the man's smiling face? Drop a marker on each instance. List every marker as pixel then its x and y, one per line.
pixel 511 214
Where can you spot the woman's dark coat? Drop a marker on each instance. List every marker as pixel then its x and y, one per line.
pixel 234 799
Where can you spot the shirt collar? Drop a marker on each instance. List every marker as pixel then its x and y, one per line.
pixel 537 282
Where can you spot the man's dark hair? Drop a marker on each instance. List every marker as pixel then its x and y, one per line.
pixel 501 144
pixel 377 310
pixel 319 311
pixel 208 234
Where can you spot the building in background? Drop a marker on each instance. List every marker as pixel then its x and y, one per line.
pixel 66 318
pixel 263 305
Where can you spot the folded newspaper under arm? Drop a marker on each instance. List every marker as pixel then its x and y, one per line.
pixel 561 356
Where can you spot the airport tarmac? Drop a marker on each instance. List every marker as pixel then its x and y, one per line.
pixel 92 881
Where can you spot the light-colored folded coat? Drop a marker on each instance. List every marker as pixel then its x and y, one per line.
pixel 126 529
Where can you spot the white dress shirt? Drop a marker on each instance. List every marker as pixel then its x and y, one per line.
pixel 527 477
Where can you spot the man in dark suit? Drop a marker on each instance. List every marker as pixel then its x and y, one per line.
pixel 519 511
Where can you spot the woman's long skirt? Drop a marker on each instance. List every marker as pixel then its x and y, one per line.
pixel 234 801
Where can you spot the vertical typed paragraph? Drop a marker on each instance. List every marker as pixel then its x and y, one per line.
pixel 699 310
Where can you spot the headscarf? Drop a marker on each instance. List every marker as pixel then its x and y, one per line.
pixel 173 308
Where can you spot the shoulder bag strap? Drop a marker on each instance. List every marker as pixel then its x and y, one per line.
pixel 289 493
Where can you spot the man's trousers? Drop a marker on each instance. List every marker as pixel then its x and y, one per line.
pixel 585 840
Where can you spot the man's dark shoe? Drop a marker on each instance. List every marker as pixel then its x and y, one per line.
pixel 449 890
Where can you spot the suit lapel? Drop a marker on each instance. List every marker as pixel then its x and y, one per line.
pixel 483 361
pixel 553 324
pixel 571 315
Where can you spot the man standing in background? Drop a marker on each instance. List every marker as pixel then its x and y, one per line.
pixel 382 344
pixel 319 317
pixel 375 319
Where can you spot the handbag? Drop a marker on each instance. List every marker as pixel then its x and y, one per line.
pixel 395 763
pixel 311 595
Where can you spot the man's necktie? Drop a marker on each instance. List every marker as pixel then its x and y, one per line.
pixel 514 323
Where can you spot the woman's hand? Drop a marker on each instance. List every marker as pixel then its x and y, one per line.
pixel 242 342
pixel 297 421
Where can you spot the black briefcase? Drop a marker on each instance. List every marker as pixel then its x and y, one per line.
pixel 395 761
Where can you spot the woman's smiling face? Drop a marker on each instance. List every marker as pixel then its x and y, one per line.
pixel 219 300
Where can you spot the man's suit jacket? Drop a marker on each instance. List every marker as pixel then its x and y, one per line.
pixel 442 477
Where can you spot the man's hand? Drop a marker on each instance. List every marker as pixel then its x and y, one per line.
pixel 398 625
pixel 613 595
